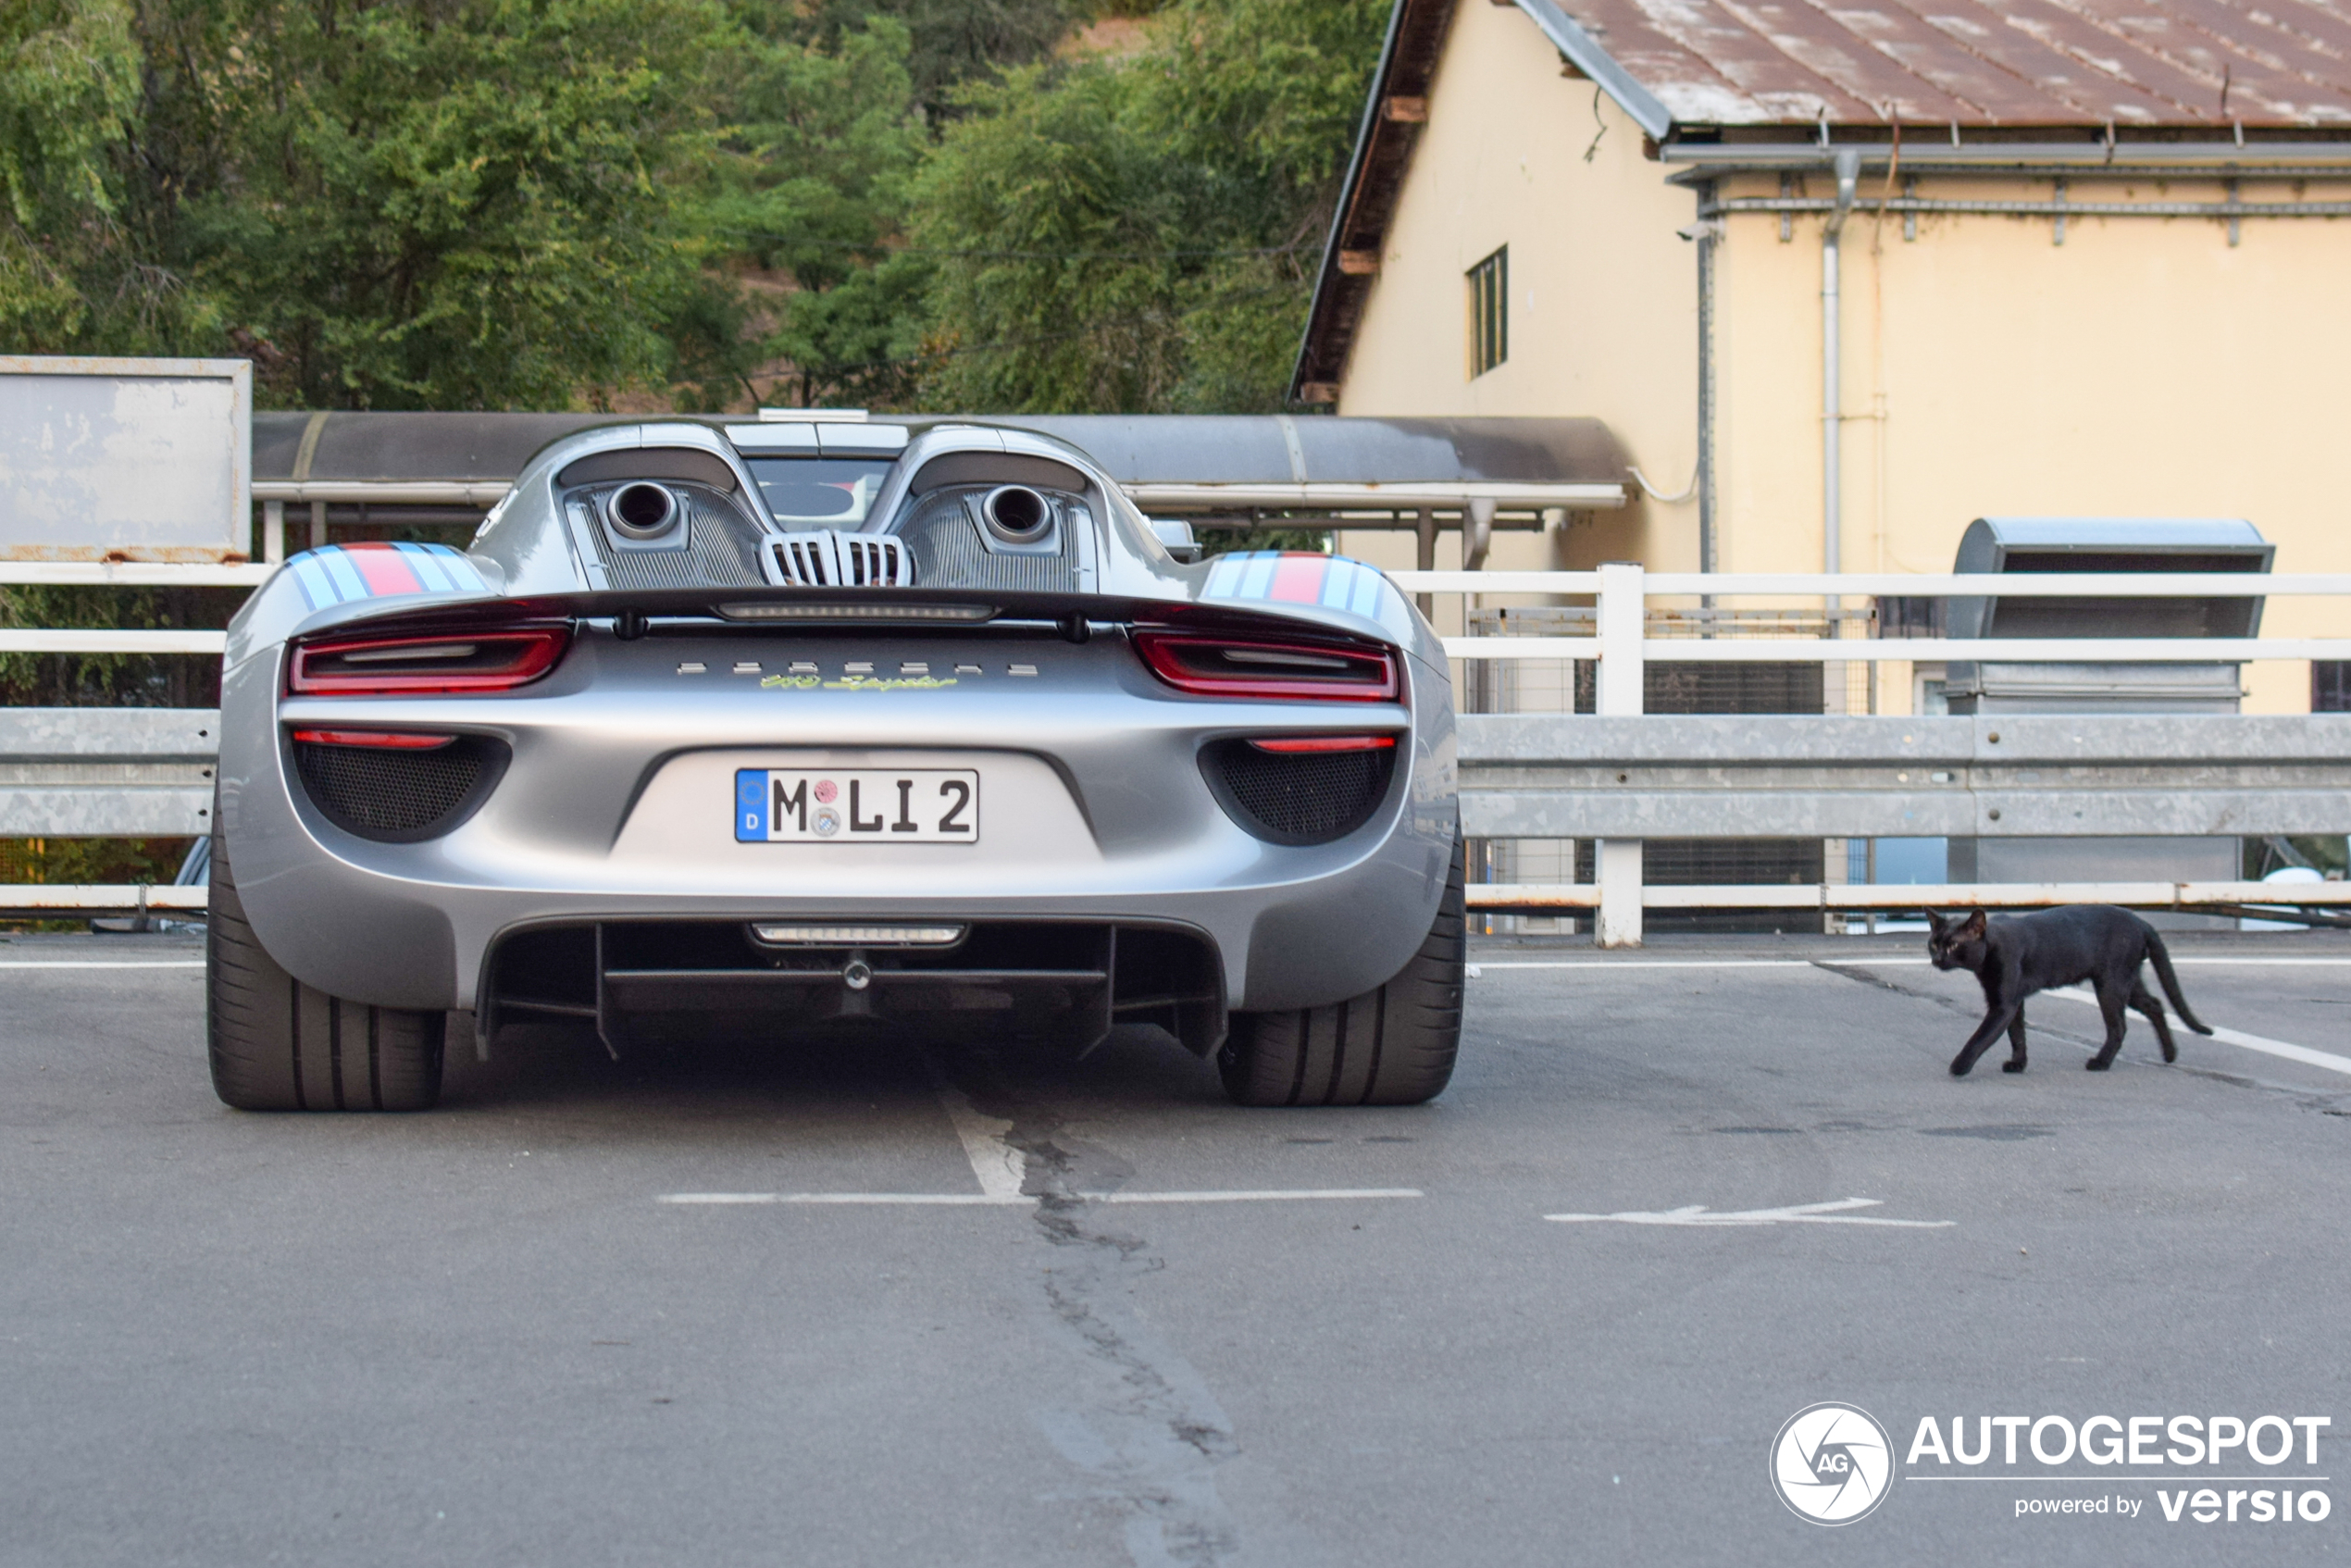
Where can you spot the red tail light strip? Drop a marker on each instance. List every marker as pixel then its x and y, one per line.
pixel 1209 666
pixel 1291 744
pixel 387 740
pixel 455 661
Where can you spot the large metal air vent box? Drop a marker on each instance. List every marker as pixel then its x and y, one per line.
pixel 2011 546
pixel 2017 546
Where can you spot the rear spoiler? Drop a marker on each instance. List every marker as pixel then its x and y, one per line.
pixel 1070 616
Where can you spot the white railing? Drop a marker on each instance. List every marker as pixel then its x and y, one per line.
pixel 1621 648
pixel 1621 633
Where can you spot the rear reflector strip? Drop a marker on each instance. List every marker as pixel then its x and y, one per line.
pixel 1289 745
pixel 383 739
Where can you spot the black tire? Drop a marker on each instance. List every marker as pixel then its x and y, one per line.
pixel 276 1044
pixel 1392 1046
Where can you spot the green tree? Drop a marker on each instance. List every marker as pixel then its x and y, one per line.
pixel 1141 235
pixel 71 275
pixel 468 204
pixel 950 42
pixel 811 182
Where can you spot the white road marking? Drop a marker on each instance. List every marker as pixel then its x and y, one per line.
pixel 1003 1170
pixel 956 1199
pixel 1263 1195
pixel 2286 1049
pixel 1795 1213
pixel 977 1200
pixel 1645 963
pixel 101 962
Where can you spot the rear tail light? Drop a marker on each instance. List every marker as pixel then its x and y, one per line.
pixel 1207 665
pixel 366 666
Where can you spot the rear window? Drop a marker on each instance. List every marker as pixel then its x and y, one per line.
pixel 825 492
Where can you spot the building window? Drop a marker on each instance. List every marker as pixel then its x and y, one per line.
pixel 2331 686
pixel 1490 302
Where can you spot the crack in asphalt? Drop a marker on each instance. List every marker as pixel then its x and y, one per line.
pixel 1142 1423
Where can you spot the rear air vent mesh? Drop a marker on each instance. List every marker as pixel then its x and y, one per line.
pixel 396 796
pixel 1297 797
pixel 829 558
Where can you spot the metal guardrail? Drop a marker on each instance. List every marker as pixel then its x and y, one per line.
pixel 106 773
pixel 1623 780
pixel 1544 776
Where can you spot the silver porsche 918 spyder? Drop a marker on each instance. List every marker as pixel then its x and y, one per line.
pixel 764 727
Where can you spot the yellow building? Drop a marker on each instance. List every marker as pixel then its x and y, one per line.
pixel 1842 281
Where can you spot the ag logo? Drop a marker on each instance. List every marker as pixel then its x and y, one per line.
pixel 1832 1464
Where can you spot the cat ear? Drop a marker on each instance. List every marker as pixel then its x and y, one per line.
pixel 1936 921
pixel 1974 927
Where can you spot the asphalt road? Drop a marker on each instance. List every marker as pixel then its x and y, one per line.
pixel 482 1335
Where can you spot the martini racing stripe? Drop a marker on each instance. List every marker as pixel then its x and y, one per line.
pixel 341 574
pixel 1298 577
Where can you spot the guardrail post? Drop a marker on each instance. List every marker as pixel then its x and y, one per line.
pixel 1617 690
pixel 273 531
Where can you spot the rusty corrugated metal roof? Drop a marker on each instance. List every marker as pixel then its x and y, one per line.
pixel 1979 63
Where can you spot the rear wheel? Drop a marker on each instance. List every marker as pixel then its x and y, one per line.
pixel 276 1044
pixel 1391 1046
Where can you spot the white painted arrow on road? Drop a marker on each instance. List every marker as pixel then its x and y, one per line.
pixel 1795 1213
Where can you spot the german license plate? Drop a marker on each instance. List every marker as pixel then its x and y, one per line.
pixel 916 806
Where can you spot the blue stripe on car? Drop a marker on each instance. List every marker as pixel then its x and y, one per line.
pixel 317 589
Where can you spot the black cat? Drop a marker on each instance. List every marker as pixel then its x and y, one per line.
pixel 2014 957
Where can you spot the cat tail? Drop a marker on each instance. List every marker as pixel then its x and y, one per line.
pixel 2162 958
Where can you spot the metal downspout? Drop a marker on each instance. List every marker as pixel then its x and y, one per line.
pixel 1848 174
pixel 1709 229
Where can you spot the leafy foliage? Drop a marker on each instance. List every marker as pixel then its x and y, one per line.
pixel 458 205
pixel 69 98
pixel 490 204
pixel 950 42
pixel 1141 235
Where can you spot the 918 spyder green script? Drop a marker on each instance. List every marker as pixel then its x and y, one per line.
pixel 908 806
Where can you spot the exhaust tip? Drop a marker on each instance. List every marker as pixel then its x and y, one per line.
pixel 1017 513
pixel 642 510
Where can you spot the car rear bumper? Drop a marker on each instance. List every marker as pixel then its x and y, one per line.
pixel 616 809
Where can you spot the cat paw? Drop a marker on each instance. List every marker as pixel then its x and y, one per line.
pixel 2097 1064
pixel 1959 1069
pixel 2011 1066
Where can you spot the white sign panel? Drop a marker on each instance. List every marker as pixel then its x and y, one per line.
pixel 125 459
